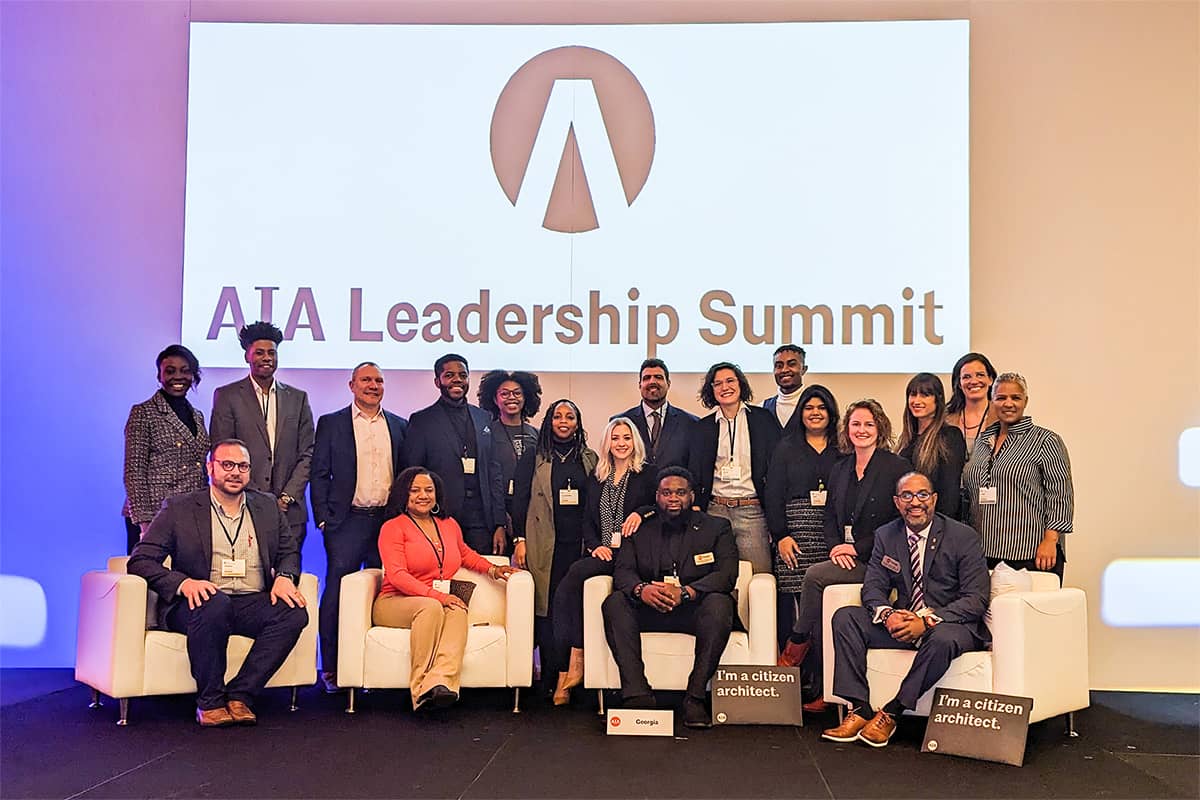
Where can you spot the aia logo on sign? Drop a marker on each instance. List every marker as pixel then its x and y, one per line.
pixel 616 722
pixel 521 108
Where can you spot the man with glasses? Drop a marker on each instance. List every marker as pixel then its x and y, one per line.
pixel 234 569
pixel 676 575
pixel 937 569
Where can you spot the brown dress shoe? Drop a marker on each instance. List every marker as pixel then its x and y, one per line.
pixel 818 706
pixel 848 730
pixel 793 654
pixel 879 730
pixel 213 717
pixel 241 713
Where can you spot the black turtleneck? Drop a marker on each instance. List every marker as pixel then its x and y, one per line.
pixel 182 409
pixel 464 430
pixel 566 472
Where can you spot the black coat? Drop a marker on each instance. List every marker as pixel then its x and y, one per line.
pixel 874 506
pixel 674 440
pixel 639 558
pixel 639 492
pixel 334 474
pixel 764 436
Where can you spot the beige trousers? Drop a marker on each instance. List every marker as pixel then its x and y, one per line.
pixel 439 637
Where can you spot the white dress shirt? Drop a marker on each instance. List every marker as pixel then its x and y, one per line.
pixel 373 451
pixel 733 449
pixel 269 404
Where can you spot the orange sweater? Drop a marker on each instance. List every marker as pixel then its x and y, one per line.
pixel 410 565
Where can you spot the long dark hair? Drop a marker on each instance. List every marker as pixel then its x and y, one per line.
pixel 546 440
pixel 930 449
pixel 825 396
pixel 397 502
pixel 958 400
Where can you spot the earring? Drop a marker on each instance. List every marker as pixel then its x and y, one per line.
pixel 435 510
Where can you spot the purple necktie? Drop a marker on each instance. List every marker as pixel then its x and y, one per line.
pixel 914 558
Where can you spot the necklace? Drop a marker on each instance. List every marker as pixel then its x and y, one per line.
pixel 562 457
pixel 976 428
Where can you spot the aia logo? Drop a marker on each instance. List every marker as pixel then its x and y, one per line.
pixel 616 722
pixel 519 114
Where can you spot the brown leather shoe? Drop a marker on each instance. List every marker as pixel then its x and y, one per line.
pixel 241 713
pixel 562 692
pixel 793 654
pixel 848 730
pixel 879 730
pixel 213 717
pixel 818 706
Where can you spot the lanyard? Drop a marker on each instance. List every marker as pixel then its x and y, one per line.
pixel 266 402
pixel 732 427
pixel 238 533
pixel 438 554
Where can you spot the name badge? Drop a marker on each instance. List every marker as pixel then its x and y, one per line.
pixel 671 580
pixel 817 498
pixel 233 567
pixel 703 558
pixel 848 534
pixel 468 466
pixel 988 496
pixel 510 488
pixel 892 564
pixel 730 472
pixel 568 497
pixel 442 586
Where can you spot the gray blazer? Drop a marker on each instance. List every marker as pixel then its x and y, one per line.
pixel 236 414
pixel 162 457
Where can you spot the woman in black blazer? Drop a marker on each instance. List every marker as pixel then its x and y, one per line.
pixel 622 482
pixel 861 486
pixel 935 449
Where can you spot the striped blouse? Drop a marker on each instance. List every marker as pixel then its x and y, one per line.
pixel 1032 478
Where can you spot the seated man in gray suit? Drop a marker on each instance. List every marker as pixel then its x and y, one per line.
pixel 233 560
pixel 937 568
pixel 275 422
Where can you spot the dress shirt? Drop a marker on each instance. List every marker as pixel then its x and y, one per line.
pixel 373 453
pixel 267 402
pixel 785 406
pixel 733 446
pixel 225 527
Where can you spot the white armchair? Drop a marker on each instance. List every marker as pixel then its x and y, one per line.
pixel 1039 650
pixel 499 641
pixel 116 655
pixel 669 656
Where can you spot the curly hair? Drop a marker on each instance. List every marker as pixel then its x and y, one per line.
pixel 883 425
pixel 397 502
pixel 708 399
pixel 249 334
pixel 531 389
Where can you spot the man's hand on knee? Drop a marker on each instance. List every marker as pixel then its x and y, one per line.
pixel 197 591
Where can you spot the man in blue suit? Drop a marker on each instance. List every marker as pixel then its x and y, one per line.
pixel 665 429
pixel 454 439
pixel 937 569
pixel 356 456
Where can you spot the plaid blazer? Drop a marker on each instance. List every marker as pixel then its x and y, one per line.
pixel 162 457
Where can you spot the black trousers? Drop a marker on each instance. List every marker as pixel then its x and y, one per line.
pixel 348 548
pixel 1031 564
pixel 477 529
pixel 709 619
pixel 568 604
pixel 274 628
pixel 544 636
pixel 854 633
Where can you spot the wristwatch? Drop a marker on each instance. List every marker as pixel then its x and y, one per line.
pixel 287 498
pixel 518 539
pixel 295 579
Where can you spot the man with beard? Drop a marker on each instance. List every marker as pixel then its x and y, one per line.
pixel 664 428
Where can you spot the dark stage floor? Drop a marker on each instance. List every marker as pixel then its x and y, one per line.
pixel 52 745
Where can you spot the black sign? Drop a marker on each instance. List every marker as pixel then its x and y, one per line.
pixel 757 696
pixel 989 727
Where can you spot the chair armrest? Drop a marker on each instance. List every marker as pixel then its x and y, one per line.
pixel 835 597
pixel 762 628
pixel 1040 649
pixel 110 649
pixel 518 627
pixel 354 620
pixel 595 647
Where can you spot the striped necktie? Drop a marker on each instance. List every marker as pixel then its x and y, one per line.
pixel 914 558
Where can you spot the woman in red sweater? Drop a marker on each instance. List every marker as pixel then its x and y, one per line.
pixel 421 549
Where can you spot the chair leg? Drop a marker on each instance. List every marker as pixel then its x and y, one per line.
pixel 295 689
pixel 1071 732
pixel 96 701
pixel 600 694
pixel 350 705
pixel 124 720
pixel 841 713
pixel 516 699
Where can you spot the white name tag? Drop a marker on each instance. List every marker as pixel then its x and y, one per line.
pixel 671 580
pixel 568 497
pixel 848 534
pixel 730 472
pixel 703 558
pixel 441 585
pixel 632 722
pixel 233 567
pixel 988 496
pixel 468 466
pixel 510 488
pixel 817 498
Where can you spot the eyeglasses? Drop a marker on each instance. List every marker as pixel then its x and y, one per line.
pixel 230 466
pixel 922 495
pixel 510 394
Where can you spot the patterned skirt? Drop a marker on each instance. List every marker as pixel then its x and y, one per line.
pixel 806 525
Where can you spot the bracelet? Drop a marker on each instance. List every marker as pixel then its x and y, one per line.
pixel 884 616
pixel 925 619
pixel 637 590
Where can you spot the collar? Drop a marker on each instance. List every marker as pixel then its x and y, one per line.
pixel 740 415
pixel 662 410
pixel 792 399
pixel 922 534
pixel 1023 425
pixel 359 413
pixel 258 389
pixel 216 503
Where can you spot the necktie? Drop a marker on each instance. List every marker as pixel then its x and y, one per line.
pixel 655 429
pixel 914 557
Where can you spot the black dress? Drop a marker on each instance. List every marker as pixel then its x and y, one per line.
pixel 947 475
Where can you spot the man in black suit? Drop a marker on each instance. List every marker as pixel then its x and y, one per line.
pixel 355 459
pixel 454 439
pixel 676 575
pixel 937 569
pixel 275 422
pixel 233 560
pixel 790 368
pixel 665 429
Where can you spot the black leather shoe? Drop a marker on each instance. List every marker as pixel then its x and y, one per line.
pixel 438 697
pixel 642 701
pixel 696 714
